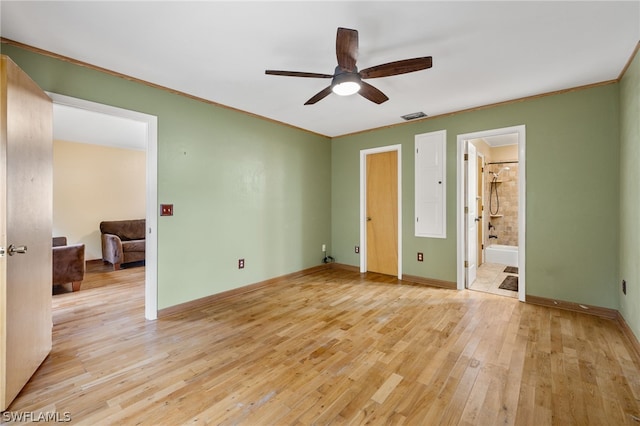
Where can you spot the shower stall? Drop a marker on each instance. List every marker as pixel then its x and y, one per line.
pixel 501 193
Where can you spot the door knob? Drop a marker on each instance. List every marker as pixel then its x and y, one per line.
pixel 16 250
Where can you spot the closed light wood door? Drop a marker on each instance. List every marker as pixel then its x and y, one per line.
pixel 382 212
pixel 26 143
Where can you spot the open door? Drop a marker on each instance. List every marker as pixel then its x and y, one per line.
pixel 472 213
pixel 26 144
pixel 480 210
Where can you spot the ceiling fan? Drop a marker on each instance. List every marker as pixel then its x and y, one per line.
pixel 347 80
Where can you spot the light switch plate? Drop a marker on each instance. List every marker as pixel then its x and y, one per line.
pixel 166 209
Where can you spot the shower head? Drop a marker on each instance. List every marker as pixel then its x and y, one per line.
pixel 496 174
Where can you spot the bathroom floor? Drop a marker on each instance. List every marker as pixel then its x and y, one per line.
pixel 489 277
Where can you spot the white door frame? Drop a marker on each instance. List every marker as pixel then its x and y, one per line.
pixel 151 241
pixel 483 222
pixel 461 243
pixel 363 203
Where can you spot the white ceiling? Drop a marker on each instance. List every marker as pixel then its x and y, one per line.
pixel 80 125
pixel 502 140
pixel 483 52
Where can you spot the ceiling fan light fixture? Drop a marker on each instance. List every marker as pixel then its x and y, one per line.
pixel 347 88
pixel 345 84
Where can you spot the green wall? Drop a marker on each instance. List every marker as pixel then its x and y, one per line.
pixel 249 188
pixel 630 195
pixel 572 157
pixel 242 187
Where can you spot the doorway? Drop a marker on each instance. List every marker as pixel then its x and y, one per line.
pixel 381 210
pixel 468 256
pixel 151 137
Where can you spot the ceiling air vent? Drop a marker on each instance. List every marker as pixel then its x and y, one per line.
pixel 414 115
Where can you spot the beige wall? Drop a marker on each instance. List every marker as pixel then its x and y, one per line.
pixel 504 153
pixel 93 183
pixel 481 147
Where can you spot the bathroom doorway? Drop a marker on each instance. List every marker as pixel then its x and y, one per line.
pixel 491 206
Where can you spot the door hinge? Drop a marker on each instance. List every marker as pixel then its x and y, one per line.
pixel 466 157
pixel 466 210
pixel 466 264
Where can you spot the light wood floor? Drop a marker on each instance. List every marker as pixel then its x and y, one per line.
pixel 332 347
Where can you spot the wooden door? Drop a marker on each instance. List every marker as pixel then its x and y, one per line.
pixel 26 144
pixel 382 212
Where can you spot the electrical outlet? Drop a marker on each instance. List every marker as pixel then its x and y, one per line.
pixel 166 209
pixel 240 263
pixel 420 257
pixel 624 287
pixel 324 247
pixel 357 249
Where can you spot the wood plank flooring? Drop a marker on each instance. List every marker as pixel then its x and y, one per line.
pixel 334 347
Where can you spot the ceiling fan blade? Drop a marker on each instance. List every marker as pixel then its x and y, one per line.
pixel 397 67
pixel 347 48
pixel 369 92
pixel 318 96
pixel 298 74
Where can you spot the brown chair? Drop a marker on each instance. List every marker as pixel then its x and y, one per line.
pixel 123 241
pixel 68 263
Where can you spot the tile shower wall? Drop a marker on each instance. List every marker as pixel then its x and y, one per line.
pixel 506 224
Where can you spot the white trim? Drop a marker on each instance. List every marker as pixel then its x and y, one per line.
pixel 521 131
pixel 483 222
pixel 151 256
pixel 363 203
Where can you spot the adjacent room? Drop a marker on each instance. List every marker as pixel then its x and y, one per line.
pixel 453 241
pixel 99 175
